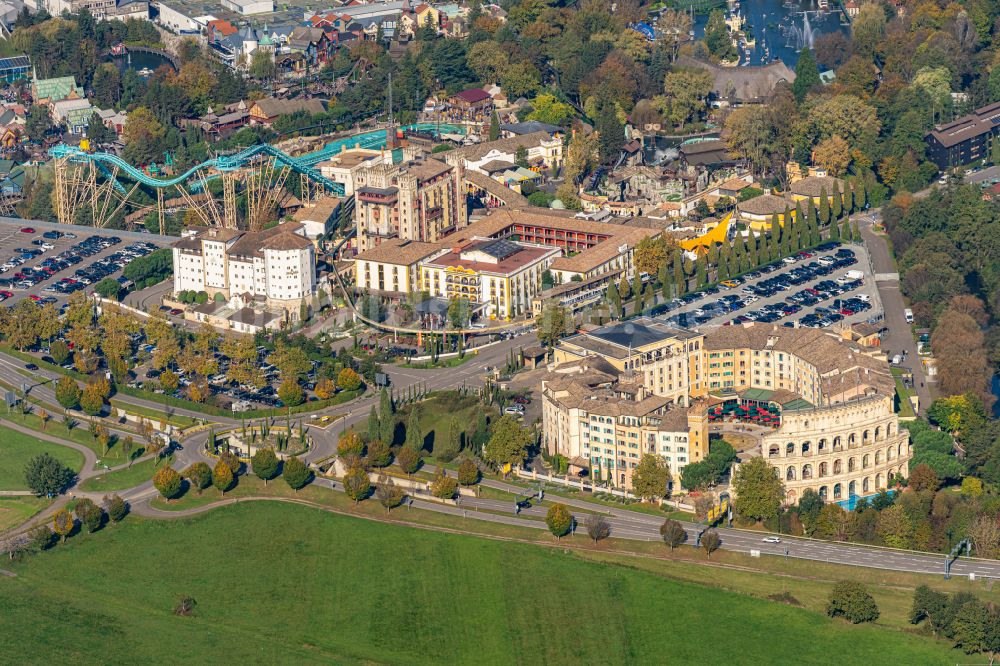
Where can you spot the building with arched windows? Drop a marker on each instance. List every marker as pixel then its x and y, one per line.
pixel 817 407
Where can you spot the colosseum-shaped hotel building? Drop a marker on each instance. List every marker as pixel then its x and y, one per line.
pixel 817 407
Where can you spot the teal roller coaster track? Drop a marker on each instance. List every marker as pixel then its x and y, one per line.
pixel 220 163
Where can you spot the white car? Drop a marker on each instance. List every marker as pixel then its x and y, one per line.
pixel 516 410
pixel 771 539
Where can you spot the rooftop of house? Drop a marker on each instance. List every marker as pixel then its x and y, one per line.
pixel 508 146
pixel 530 127
pixel 765 204
pixel 814 186
pixel 978 122
pixel 399 252
pixel 496 257
pixel 272 108
pixel 744 84
pixel 472 95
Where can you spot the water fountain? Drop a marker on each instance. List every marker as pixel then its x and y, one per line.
pixel 803 37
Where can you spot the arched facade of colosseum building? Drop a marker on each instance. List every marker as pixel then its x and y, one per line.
pixel 854 448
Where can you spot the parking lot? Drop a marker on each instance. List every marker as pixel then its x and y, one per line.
pixel 817 289
pixel 49 262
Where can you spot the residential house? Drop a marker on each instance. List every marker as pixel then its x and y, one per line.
pixel 311 42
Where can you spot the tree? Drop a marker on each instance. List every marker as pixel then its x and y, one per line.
pixel 38 123
pixel 199 475
pixel 985 535
pixel 262 65
pixel 923 477
pixel 91 401
pixel 388 493
pixel 222 476
pixel 508 443
pixel 349 380
pixel 63 523
pixel 116 507
pixel 673 533
pixel 972 487
pixel 89 514
pixel 548 109
pixel 614 299
pixel 759 491
pixel 68 393
pixel 408 460
pixel 559 520
pixel 39 539
pixel 46 476
pixel 265 464
pixel 468 472
pixel 650 254
pixel 833 154
pixel 598 527
pixel 290 393
pixel 443 486
pixel 611 133
pixel 927 603
pixel 168 482
pixel 296 473
pixel 806 75
pixel 350 444
pixel 379 453
pixel 414 437
pixel 852 601
pixel 710 542
pixel 685 93
pixel 651 478
pixel 552 325
pixel 976 629
pixel 231 461
pixel 717 40
pixel 143 136
pixel 356 484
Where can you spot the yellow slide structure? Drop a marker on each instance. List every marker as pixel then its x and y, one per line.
pixel 717 234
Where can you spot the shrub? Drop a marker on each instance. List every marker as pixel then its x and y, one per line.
pixel 851 600
pixel 44 475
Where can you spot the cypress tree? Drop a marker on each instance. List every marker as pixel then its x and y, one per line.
pixel 824 207
pixel 800 218
pixel 637 285
pixel 837 205
pixel 614 299
pixel 811 211
pixel 834 232
pixel 701 269
pixel 849 197
pixel 666 282
pixel 734 264
pixel 679 280
pixel 860 194
pixel 845 231
pixel 752 245
pixel 855 232
pixel 775 226
pixel 713 254
pixel 722 265
pixel 625 290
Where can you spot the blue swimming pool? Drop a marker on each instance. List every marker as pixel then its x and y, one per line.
pixel 852 502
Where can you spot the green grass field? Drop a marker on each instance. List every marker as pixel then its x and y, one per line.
pixel 279 583
pixel 16 510
pixel 122 479
pixel 17 448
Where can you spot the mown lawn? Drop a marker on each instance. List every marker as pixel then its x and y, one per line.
pixel 123 479
pixel 16 510
pixel 279 583
pixel 17 448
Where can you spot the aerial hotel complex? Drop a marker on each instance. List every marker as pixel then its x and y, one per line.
pixel 820 408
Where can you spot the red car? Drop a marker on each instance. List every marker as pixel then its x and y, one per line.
pixel 34 297
pixel 177 311
pixel 6 294
pixel 27 230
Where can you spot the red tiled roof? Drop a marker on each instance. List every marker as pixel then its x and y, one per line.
pixel 473 95
pixel 223 27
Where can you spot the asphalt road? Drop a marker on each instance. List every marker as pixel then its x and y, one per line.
pixel 899 337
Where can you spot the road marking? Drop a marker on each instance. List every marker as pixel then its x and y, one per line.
pixel 887 277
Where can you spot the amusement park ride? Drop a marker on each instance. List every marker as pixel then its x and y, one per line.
pixel 108 185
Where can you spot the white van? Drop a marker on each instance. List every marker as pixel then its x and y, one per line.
pixel 908 315
pixel 897 359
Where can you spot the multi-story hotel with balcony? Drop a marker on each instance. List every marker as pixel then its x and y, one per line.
pixel 820 409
